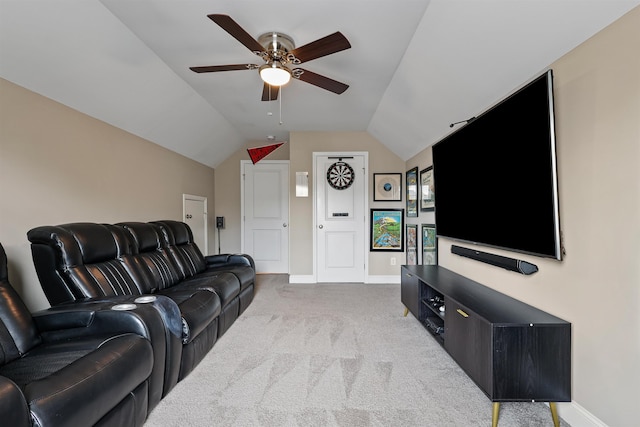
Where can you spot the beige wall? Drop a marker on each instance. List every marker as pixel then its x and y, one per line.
pixel 58 165
pixel 303 145
pixel 597 286
pixel 227 189
pixel 299 151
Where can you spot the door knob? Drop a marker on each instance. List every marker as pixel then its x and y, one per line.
pixel 284 224
pixel 321 226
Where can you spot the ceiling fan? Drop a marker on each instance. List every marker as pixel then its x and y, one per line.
pixel 280 57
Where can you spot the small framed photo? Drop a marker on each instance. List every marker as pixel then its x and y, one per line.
pixel 412 244
pixel 387 230
pixel 387 187
pixel 429 245
pixel 427 194
pixel 412 192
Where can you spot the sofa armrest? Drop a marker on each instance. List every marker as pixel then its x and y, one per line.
pixel 13 405
pixel 76 315
pixel 82 321
pixel 226 259
pixel 68 319
pixel 158 320
pixel 98 316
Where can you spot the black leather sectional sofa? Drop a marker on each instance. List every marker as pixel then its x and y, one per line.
pixel 143 281
pixel 77 369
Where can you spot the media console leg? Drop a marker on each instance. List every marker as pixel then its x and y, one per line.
pixel 496 414
pixel 554 414
pixel 406 311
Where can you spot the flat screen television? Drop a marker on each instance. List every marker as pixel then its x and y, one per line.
pixel 495 179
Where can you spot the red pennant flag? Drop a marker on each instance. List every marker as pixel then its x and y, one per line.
pixel 258 153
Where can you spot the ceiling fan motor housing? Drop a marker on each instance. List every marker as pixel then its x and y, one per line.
pixel 277 47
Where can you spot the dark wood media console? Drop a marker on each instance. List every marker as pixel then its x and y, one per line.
pixel 511 350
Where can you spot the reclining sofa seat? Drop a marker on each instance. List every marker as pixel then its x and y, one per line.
pixel 182 264
pixel 93 378
pixel 179 238
pixel 168 278
pixel 81 261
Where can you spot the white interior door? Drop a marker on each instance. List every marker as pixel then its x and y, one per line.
pixel 265 230
pixel 194 210
pixel 340 189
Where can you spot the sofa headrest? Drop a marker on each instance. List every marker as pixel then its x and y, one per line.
pixel 179 231
pixel 82 243
pixel 60 241
pixel 123 239
pixel 96 242
pixel 144 235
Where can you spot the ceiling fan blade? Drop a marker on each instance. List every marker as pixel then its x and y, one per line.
pixel 214 68
pixel 232 27
pixel 322 81
pixel 266 96
pixel 322 47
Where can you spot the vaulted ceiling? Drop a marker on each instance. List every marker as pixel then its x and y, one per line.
pixel 414 66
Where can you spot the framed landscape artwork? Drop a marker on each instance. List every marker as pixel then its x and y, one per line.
pixel 387 230
pixel 429 245
pixel 427 195
pixel 412 192
pixel 412 244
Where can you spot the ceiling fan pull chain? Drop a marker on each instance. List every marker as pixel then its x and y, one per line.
pixel 269 112
pixel 280 102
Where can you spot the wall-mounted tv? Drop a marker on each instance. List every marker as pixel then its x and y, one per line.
pixel 496 178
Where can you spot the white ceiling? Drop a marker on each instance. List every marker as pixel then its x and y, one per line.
pixel 414 66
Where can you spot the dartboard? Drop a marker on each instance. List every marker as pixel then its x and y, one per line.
pixel 340 175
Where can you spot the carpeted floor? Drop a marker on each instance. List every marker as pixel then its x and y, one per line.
pixel 331 355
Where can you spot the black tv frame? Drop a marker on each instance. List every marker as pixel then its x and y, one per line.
pixel 553 245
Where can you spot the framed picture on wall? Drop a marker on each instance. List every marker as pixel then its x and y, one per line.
pixel 412 192
pixel 429 245
pixel 387 230
pixel 412 244
pixel 387 187
pixel 427 195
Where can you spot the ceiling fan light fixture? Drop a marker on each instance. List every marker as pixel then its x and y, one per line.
pixel 275 74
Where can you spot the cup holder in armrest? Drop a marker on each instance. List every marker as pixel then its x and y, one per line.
pixel 145 299
pixel 123 307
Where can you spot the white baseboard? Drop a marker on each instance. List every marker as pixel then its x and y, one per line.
pixel 383 279
pixel 578 416
pixel 297 278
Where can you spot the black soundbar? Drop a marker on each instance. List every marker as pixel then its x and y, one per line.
pixel 511 264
